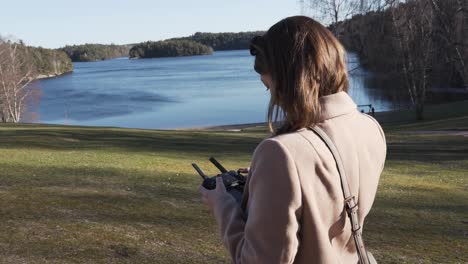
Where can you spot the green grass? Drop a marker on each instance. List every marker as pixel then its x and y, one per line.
pixel 107 195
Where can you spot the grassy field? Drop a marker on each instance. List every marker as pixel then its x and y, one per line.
pixel 106 195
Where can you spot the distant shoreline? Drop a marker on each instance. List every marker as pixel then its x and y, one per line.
pixel 232 127
pixel 50 76
pixel 404 116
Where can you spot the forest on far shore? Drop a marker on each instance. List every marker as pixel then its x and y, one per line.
pixel 200 43
pixel 224 41
pixel 95 52
pixel 169 48
pixel 196 44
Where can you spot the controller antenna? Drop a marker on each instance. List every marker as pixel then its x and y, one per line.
pixel 219 166
pixel 202 174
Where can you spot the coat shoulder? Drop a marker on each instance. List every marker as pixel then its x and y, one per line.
pixel 290 143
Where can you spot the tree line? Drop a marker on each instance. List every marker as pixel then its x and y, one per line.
pixel 169 48
pixel 20 66
pixel 423 44
pixel 196 44
pixel 95 52
pixel 225 41
pixel 48 62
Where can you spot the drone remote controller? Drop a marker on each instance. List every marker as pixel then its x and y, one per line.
pixel 233 180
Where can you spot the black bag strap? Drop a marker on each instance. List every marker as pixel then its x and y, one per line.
pixel 351 205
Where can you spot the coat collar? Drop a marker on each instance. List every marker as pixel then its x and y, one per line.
pixel 336 105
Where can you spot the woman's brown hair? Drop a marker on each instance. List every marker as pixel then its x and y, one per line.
pixel 305 62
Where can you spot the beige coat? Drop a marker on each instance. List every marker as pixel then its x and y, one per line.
pixel 293 206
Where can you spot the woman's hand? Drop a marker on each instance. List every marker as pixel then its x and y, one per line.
pixel 211 197
pixel 243 170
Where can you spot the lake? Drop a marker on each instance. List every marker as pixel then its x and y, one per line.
pixel 164 93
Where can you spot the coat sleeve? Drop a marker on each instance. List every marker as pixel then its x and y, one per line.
pixel 268 233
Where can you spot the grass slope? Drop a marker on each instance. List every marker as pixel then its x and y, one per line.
pixel 106 195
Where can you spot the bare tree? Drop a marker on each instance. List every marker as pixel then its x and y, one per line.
pixel 333 11
pixel 376 5
pixel 414 31
pixel 17 72
pixel 451 17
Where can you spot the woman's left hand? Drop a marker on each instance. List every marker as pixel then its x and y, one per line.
pixel 211 197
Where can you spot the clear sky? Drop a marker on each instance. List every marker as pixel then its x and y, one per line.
pixel 55 23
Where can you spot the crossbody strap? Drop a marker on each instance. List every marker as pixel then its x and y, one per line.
pixel 351 205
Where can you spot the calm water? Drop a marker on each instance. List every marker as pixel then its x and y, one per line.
pixel 171 92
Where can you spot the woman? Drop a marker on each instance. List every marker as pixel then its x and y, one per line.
pixel 293 210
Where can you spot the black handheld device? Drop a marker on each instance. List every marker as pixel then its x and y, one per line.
pixel 233 180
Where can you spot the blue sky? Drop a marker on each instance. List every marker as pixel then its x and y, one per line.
pixel 55 23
